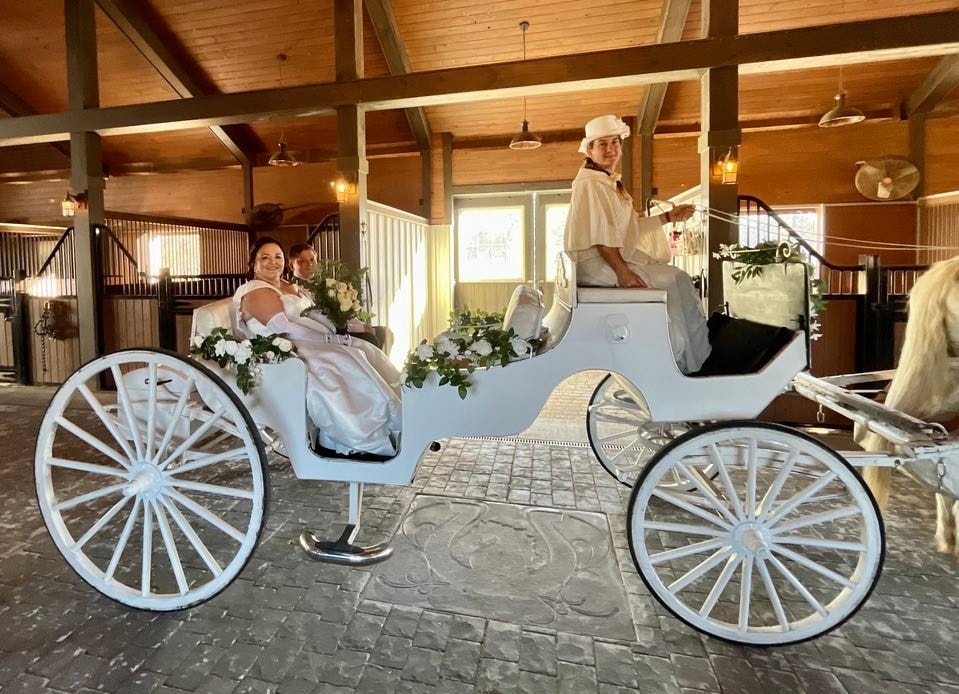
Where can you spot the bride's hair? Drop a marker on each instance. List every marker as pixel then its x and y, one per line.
pixel 255 248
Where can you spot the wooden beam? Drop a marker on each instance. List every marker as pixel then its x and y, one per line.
pixel 240 140
pixel 14 106
pixel 388 34
pixel 941 80
pixel 672 20
pixel 889 38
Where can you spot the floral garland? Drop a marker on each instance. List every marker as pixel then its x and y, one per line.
pixel 337 293
pixel 750 262
pixel 242 356
pixel 474 339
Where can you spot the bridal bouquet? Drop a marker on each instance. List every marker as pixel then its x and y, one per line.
pixel 243 357
pixel 337 293
pixel 474 338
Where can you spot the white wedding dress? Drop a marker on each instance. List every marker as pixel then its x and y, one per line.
pixel 352 394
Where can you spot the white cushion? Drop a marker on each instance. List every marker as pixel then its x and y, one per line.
pixel 524 314
pixel 217 314
pixel 619 295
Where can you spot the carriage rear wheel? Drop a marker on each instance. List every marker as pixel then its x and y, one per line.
pixel 783 546
pixel 623 436
pixel 154 488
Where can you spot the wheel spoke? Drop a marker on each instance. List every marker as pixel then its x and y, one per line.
pixel 608 418
pixel 751 479
pixel 187 529
pixel 87 467
pixel 772 494
pixel 122 541
pixel 693 475
pixel 174 420
pixel 123 400
pixel 98 526
pixel 109 421
pixel 745 593
pixel 819 542
pixel 205 461
pixel 147 551
pixel 727 573
pixel 797 584
pixel 687 550
pixel 720 466
pixel 702 568
pixel 683 528
pixel 90 496
pixel 817 518
pixel 617 435
pixel 205 514
pixel 92 441
pixel 151 412
pixel 814 566
pixel 801 497
pixel 211 488
pixel 194 437
pixel 171 549
pixel 636 444
pixel 689 508
pixel 772 593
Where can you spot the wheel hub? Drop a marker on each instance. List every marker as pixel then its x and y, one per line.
pixel 750 537
pixel 146 480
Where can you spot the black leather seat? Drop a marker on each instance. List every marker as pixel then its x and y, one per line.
pixel 741 346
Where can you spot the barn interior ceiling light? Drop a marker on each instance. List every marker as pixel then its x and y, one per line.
pixel 525 139
pixel 282 156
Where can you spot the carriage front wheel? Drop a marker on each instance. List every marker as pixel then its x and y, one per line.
pixel 151 479
pixel 784 545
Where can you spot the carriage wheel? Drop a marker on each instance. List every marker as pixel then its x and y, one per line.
pixel 154 489
pixel 784 545
pixel 622 436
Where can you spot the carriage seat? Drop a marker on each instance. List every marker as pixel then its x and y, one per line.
pixel 216 314
pixel 619 295
pixel 524 313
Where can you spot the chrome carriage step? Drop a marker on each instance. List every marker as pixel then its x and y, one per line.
pixel 342 550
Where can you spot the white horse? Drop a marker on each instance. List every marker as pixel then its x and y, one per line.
pixel 926 384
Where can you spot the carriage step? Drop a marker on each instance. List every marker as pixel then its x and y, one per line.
pixel 343 551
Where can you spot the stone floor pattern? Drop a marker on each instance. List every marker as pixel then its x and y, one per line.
pixel 288 624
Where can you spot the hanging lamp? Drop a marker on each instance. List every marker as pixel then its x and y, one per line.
pixel 282 157
pixel 525 139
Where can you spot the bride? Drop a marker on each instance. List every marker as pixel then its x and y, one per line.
pixel 353 391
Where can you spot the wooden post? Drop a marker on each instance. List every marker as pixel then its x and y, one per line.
pixel 166 310
pixel 874 334
pixel 720 132
pixel 21 331
pixel 86 171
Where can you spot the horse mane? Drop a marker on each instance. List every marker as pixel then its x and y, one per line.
pixel 923 383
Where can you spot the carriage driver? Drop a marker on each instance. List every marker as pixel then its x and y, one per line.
pixel 614 247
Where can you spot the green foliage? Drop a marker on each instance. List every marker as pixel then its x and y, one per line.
pixel 243 357
pixel 474 339
pixel 337 292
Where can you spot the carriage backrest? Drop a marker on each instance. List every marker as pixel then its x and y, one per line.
pixel 216 314
pixel 524 314
pixel 778 296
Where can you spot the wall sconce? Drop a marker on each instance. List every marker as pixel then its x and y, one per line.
pixel 73 203
pixel 344 187
pixel 727 168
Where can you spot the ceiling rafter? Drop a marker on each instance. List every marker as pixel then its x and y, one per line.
pixel 14 106
pixel 890 38
pixel 240 140
pixel 936 85
pixel 388 34
pixel 672 20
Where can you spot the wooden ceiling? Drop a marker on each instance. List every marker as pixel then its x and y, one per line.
pixel 225 46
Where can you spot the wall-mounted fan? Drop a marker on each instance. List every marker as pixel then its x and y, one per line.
pixel 889 178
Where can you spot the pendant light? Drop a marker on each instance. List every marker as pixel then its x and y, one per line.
pixel 525 139
pixel 282 156
pixel 841 113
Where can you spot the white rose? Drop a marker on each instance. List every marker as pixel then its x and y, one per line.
pixel 519 346
pixel 353 294
pixel 282 344
pixel 241 356
pixel 331 293
pixel 356 305
pixel 196 340
pixel 341 287
pixel 219 349
pixel 330 282
pixel 481 347
pixel 230 347
pixel 345 304
pixel 424 351
pixel 448 348
pixel 270 356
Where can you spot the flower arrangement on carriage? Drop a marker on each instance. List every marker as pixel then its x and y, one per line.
pixel 242 356
pixel 474 339
pixel 337 292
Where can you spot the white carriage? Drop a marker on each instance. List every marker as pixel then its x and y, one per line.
pixel 152 478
